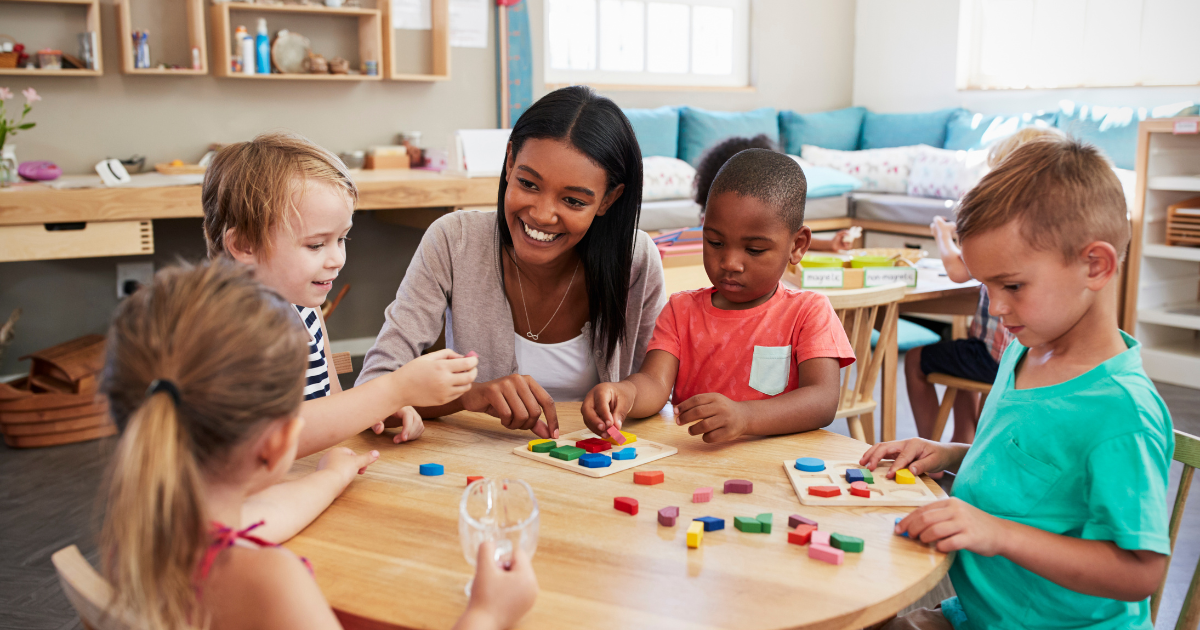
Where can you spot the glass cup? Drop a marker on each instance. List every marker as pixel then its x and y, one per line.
pixel 503 511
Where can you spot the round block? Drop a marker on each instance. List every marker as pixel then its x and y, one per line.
pixel 810 464
pixel 431 470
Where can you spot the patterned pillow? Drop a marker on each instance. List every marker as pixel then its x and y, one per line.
pixel 945 174
pixel 879 170
pixel 666 178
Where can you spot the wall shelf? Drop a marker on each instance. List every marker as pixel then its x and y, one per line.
pixel 1183 183
pixel 93 25
pixel 439 44
pixel 1172 252
pixel 196 39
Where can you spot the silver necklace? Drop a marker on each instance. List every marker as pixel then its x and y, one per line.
pixel 521 286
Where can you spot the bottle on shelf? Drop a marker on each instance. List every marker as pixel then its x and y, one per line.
pixel 248 63
pixel 238 62
pixel 262 43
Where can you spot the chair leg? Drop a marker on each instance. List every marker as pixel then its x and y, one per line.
pixel 868 425
pixel 939 425
pixel 854 423
pixel 1189 615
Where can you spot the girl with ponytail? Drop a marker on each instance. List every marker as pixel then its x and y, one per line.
pixel 208 405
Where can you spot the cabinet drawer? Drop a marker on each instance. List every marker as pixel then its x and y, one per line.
pixel 872 238
pixel 51 241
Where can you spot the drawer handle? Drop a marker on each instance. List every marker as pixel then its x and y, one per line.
pixel 65 227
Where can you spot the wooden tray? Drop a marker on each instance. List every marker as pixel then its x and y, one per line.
pixel 16 396
pixel 883 491
pixel 647 452
pixel 55 439
pixel 97 406
pixel 61 426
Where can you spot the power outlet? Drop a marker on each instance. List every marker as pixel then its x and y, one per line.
pixel 131 276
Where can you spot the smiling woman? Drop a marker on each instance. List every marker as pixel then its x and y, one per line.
pixel 557 290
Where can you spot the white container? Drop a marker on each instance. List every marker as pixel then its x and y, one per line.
pixel 247 55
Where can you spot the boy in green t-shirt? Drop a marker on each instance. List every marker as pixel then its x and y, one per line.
pixel 1059 508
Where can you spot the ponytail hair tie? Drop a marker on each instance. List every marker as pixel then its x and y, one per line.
pixel 164 385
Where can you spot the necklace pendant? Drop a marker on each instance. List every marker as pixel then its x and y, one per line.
pixel 531 336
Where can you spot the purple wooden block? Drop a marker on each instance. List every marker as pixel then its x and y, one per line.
pixel 738 486
pixel 796 519
pixel 667 516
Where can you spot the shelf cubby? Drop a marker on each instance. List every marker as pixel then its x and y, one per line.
pixel 438 44
pixel 196 39
pixel 92 21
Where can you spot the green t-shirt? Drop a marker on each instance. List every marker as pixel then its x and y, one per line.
pixel 1087 458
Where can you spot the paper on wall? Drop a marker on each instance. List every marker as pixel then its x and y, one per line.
pixel 468 23
pixel 481 151
pixel 411 15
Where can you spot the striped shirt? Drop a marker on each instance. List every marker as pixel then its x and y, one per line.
pixel 316 382
pixel 988 329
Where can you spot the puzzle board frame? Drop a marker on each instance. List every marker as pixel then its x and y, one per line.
pixel 653 451
pixel 884 492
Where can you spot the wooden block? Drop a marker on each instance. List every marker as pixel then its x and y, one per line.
pixel 629 439
pixel 738 486
pixel 853 475
pixel 747 524
pixel 904 475
pixel 615 434
pixel 628 452
pixel 647 451
pixel 695 534
pixel 810 464
pixel 849 544
pixel 824 491
pixel 473 478
pixel 860 489
pixel 868 477
pixel 595 460
pixel 702 495
pixel 801 534
pixel 542 446
pixel 825 553
pixel 820 538
pixel 711 523
pixel 648 477
pixel 593 445
pixel 898 519
pixel 796 520
pixel 667 516
pixel 567 453
pixel 432 470
pixel 626 504
pixel 764 522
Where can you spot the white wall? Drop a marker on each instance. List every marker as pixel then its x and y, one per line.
pixel 905 60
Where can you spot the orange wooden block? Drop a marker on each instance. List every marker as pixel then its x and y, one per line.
pixel 824 491
pixel 648 477
pixel 860 489
pixel 801 535
pixel 473 479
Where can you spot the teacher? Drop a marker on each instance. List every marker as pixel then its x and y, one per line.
pixel 557 290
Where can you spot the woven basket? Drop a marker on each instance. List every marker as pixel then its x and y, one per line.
pixel 9 59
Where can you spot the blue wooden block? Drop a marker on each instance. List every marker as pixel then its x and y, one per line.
pixel 595 460
pixel 905 534
pixel 711 523
pixel 810 464
pixel 432 470
pixel 628 452
pixel 855 474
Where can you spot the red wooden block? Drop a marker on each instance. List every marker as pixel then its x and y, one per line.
pixel 738 486
pixel 473 479
pixel 593 445
pixel 824 491
pixel 626 504
pixel 801 535
pixel 860 489
pixel 648 477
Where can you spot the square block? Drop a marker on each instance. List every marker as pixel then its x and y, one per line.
pixel 667 516
pixel 648 477
pixel 711 523
pixel 626 504
pixel 542 446
pixel 824 491
pixel 819 538
pixel 695 534
pixel 747 524
pixel 796 520
pixel 801 534
pixel 431 470
pixel 764 521
pixel 628 452
pixel 853 475
pixel 567 453
pixel 846 543
pixel 825 553
pixel 616 435
pixel 702 495
pixel 473 478
pixel 738 486
pixel 595 460
pixel 593 445
pixel 868 476
pixel 904 475
pixel 629 439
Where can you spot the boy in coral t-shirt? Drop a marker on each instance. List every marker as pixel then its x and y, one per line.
pixel 747 356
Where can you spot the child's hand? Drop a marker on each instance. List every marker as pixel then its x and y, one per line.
pixel 342 460
pixel 437 378
pixel 918 455
pixel 842 241
pixel 954 524
pixel 717 417
pixel 941 228
pixel 606 406
pixel 410 421
pixel 500 596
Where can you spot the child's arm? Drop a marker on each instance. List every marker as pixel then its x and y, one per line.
pixel 642 394
pixel 943 232
pixel 287 508
pixel 841 241
pixel 810 406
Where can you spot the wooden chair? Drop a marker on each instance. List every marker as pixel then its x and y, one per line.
pixel 1187 451
pixel 858 310
pixel 342 363
pixel 953 385
pixel 87 591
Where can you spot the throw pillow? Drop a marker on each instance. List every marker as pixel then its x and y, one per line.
pixel 666 178
pixel 944 174
pixel 657 130
pixel 700 129
pixel 881 131
pixel 824 181
pixel 1114 129
pixel 839 129
pixel 968 130
pixel 879 170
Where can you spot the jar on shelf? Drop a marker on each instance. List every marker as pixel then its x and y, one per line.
pixel 50 59
pixel 8 166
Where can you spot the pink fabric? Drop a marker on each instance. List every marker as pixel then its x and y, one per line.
pixel 225 537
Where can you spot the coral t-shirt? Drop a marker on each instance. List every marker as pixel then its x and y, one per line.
pixel 750 354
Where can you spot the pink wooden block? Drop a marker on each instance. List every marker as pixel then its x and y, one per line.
pixel 615 434
pixel 702 495
pixel 820 538
pixel 667 516
pixel 825 553
pixel 738 486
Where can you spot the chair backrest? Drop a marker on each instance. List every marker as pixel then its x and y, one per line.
pixel 87 591
pixel 342 363
pixel 858 310
pixel 1187 451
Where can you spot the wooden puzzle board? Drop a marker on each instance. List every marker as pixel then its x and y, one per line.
pixel 647 452
pixel 883 492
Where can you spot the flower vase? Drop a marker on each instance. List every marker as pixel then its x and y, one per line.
pixel 8 166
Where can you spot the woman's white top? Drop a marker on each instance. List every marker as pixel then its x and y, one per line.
pixel 567 370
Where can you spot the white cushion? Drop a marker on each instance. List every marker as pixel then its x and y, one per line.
pixel 879 170
pixel 945 174
pixel 666 178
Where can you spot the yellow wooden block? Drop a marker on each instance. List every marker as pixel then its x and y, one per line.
pixel 905 476
pixel 629 439
pixel 695 534
pixel 533 443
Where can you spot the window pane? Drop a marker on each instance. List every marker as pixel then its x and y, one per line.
pixel 1006 39
pixel 712 40
pixel 572 27
pixel 622 35
pixel 667 37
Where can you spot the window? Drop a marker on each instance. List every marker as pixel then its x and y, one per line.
pixel 643 42
pixel 1013 44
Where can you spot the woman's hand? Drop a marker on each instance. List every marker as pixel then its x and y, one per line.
pixel 412 426
pixel 436 378
pixel 518 401
pixel 500 596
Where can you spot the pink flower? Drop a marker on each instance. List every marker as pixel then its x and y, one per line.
pixel 5 94
pixel 31 95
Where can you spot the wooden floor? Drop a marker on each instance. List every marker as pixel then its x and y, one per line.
pixel 48 501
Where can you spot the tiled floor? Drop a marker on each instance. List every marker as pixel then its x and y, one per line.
pixel 48 501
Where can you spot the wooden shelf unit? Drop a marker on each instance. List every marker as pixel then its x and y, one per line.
pixel 196 39
pixel 93 24
pixel 370 39
pixel 439 44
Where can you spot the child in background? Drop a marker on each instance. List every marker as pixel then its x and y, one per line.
pixel 1059 509
pixel 209 407
pixel 746 356
pixel 977 357
pixel 716 157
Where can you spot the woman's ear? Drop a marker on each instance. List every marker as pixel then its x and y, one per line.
pixel 800 243
pixel 509 158
pixel 237 248
pixel 278 447
pixel 610 198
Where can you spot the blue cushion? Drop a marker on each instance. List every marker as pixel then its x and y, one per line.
pixel 967 131
pixel 700 129
pixel 839 129
pixel 829 182
pixel 881 131
pixel 1114 129
pixel 657 130
pixel 909 336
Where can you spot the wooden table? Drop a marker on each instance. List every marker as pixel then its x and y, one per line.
pixel 387 552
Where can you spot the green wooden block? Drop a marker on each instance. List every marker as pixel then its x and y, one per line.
pixel 545 447
pixel 849 544
pixel 764 522
pixel 747 524
pixel 867 476
pixel 567 453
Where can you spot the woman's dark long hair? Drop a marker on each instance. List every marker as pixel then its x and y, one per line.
pixel 595 126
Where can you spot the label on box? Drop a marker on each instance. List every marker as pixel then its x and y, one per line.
pixel 879 276
pixel 822 278
pixel 1191 125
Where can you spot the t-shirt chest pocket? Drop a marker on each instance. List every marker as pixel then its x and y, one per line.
pixel 770 369
pixel 1022 481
